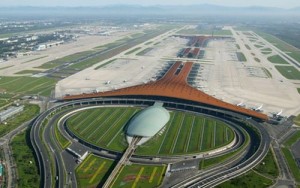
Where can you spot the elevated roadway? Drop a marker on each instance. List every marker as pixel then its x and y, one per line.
pixel 42 147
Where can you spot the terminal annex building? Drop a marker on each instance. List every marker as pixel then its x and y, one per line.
pixel 173 86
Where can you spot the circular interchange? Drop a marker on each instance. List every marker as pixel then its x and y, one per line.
pixel 185 132
pixel 252 154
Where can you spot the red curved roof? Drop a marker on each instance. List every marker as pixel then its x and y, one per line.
pixel 173 84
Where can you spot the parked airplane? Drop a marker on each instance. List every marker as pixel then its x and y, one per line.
pixel 241 104
pixel 258 109
pixel 277 114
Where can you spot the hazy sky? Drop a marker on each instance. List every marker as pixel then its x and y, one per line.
pixel 273 3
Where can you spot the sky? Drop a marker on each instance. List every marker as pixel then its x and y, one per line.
pixel 72 3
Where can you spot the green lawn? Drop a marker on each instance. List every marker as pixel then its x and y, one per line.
pixel 6 67
pixel 102 126
pixel 27 85
pixel 69 58
pixel 35 59
pixel 106 63
pixel 266 52
pixel 289 72
pixel 241 56
pixel 114 44
pixel 63 142
pixel 257 60
pixel 249 180
pixel 205 32
pixel 133 50
pixel 258 46
pixel 145 51
pixel 28 72
pixel 247 46
pixel 289 156
pixel 205 163
pixel 187 133
pixel 266 49
pixel 93 171
pixel 268 166
pixel 144 176
pixel 268 73
pixel 29 112
pixel 298 89
pixel 295 52
pixel 25 162
pixel 277 59
pixel 291 163
pixel 4 101
pixel 297 119
pixel 294 138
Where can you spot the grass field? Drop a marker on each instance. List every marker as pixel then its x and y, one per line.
pixel 277 59
pixel 247 46
pixel 26 165
pixel 4 101
pixel 258 46
pixel 63 142
pixel 205 32
pixel 145 176
pixel 257 60
pixel 298 89
pixel 34 59
pixel 106 63
pixel 205 163
pixel 249 180
pixel 241 56
pixel 102 126
pixel 294 52
pixel 28 72
pixel 60 61
pixel 114 44
pixel 266 49
pixel 187 133
pixel 6 67
pixel 133 50
pixel 266 52
pixel 145 51
pixel 289 156
pixel 268 166
pixel 289 72
pixel 27 85
pixel 268 73
pixel 297 119
pixel 93 171
pixel 29 112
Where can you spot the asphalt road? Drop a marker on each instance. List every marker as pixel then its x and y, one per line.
pixel 63 166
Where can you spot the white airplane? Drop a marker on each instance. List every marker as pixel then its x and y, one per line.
pixel 258 109
pixel 277 114
pixel 107 82
pixel 241 104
